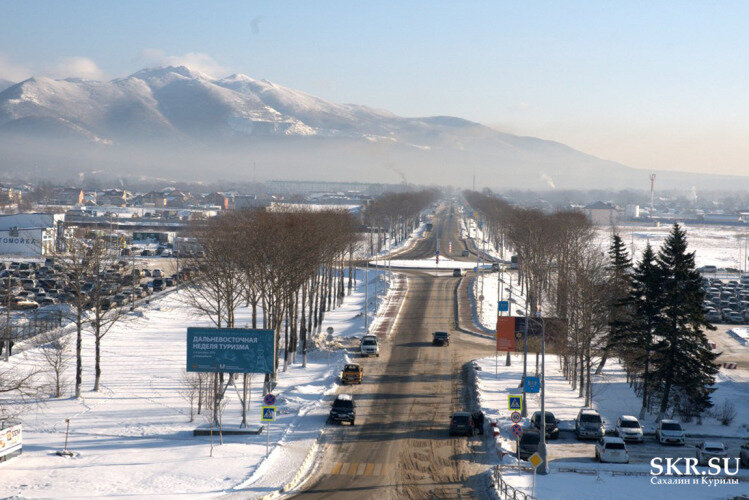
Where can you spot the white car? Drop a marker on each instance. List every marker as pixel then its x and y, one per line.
pixel 670 431
pixel 612 449
pixel 369 346
pixel 629 429
pixel 710 449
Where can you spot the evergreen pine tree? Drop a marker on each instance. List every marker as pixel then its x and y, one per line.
pixel 620 270
pixel 683 358
pixel 645 297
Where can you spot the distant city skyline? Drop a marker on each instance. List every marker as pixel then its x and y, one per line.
pixel 651 85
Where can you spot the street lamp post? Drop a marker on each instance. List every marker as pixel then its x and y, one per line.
pixel 544 467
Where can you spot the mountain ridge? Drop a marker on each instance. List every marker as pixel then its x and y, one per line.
pixel 156 115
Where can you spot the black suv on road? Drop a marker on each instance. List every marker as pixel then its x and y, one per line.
pixel 343 410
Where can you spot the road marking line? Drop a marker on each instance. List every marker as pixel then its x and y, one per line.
pixel 360 469
pixel 377 469
pixel 336 468
pixel 345 467
pixel 369 469
pixel 352 469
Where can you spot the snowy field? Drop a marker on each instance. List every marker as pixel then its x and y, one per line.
pixel 134 438
pixel 612 397
pixel 721 246
pixel 495 287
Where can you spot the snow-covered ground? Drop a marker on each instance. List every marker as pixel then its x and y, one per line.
pixel 495 287
pixel 741 334
pixel 721 246
pixel 134 438
pixel 612 397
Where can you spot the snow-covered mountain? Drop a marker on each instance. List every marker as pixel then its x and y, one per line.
pixel 182 121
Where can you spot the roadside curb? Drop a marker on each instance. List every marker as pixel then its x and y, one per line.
pixel 458 310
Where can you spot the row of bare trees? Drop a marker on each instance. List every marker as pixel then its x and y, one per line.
pixel 290 267
pixel 562 272
pixel 395 215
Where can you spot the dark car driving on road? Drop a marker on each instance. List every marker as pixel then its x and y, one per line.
pixel 441 338
pixel 461 424
pixel 343 409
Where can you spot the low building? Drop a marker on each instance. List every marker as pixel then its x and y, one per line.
pixel 601 213
pixel 30 235
pixel 67 196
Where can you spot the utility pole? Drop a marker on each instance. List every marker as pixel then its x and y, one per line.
pixel 542 447
pixel 652 195
pixel 366 298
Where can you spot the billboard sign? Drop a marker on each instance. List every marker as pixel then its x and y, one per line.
pixel 11 439
pixel 25 242
pixel 230 350
pixel 505 333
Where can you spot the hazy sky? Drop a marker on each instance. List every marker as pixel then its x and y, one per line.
pixel 650 84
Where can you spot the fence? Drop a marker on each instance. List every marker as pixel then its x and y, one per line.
pixel 508 491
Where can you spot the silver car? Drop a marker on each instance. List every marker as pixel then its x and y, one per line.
pixel 710 449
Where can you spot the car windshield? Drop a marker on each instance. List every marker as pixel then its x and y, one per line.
pixel 550 418
pixel 351 368
pixel 671 427
pixel 368 342
pixel 713 449
pixel 590 418
pixel 630 424
pixel 614 446
pixel 460 419
pixel 441 335
pixel 530 438
pixel 343 403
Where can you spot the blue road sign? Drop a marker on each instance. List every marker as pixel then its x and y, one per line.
pixel 437 252
pixel 268 414
pixel 514 401
pixel 516 430
pixel 532 385
pixel 503 306
pixel 269 399
pixel 230 350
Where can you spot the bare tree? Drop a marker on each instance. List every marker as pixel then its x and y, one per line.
pixel 55 351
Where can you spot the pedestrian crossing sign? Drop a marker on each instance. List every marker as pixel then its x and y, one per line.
pixel 514 401
pixel 268 414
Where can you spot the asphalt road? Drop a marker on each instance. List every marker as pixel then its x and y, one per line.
pixel 400 446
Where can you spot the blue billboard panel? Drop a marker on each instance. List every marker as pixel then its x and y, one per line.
pixel 230 350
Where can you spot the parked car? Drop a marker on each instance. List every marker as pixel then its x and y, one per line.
pixel 669 431
pixel 528 444
pixel 158 285
pixel 710 449
pixel 612 449
pixel 457 272
pixel 21 303
pixel 369 346
pixel 588 424
pixel 441 338
pixel 156 273
pixel 461 424
pixel 552 427
pixel 343 409
pixel 352 374
pixel 744 455
pixel 629 429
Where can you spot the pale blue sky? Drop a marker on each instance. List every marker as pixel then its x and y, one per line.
pixel 650 84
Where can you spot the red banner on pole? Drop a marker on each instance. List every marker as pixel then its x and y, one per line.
pixel 505 333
